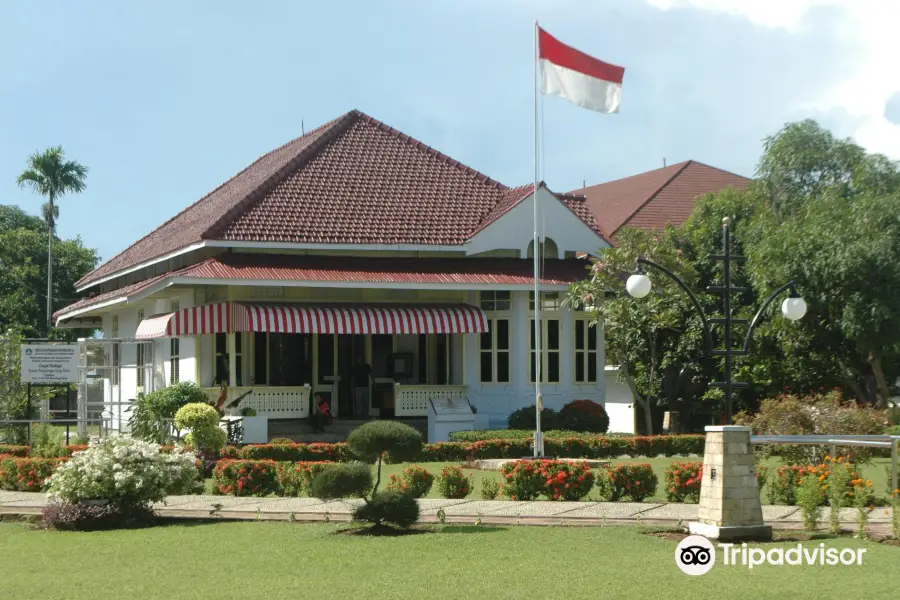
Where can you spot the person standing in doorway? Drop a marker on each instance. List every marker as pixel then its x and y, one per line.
pixel 362 374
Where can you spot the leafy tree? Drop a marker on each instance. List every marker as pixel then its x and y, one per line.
pixel 23 264
pixel 51 175
pixel 652 337
pixel 844 254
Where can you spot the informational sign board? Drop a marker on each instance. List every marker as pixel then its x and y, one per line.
pixel 451 406
pixel 50 363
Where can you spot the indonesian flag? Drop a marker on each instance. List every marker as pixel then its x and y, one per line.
pixel 577 77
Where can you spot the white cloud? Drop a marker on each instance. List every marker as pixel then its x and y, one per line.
pixel 866 29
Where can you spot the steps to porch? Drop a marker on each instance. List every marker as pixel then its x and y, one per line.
pixel 300 430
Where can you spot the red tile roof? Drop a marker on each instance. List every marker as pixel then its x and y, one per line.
pixel 656 198
pixel 357 269
pixel 354 180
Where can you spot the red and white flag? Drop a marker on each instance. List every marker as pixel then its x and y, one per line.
pixel 577 77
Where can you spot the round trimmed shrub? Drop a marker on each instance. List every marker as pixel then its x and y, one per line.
pixel 196 415
pixel 375 438
pixel 342 480
pixel 453 483
pixel 207 440
pixel 389 506
pixel 526 418
pixel 585 416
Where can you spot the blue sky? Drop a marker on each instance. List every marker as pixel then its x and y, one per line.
pixel 163 101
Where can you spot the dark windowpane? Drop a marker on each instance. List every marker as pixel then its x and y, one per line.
pixel 487 374
pixel 423 359
pixel 486 340
pixel 502 334
pixel 443 347
pixel 532 367
pixel 579 335
pixel 503 367
pixel 260 354
pixel 382 349
pixel 579 366
pixel 503 301
pixel 238 364
pixel 326 357
pixel 237 342
pixel 592 367
pixel 553 367
pixel 552 334
pixel 531 334
pixel 592 337
pixel 221 346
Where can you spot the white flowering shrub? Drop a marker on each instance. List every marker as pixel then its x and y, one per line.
pixel 124 471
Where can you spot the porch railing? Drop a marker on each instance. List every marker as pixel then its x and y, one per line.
pixel 412 400
pixel 272 402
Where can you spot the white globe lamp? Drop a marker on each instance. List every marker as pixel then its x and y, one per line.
pixel 793 309
pixel 638 285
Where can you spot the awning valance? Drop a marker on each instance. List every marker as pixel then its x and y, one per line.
pixel 295 318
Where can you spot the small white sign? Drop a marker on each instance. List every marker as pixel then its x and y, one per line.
pixel 50 363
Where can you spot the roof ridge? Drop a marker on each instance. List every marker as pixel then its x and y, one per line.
pixel 325 134
pixel 682 164
pixel 312 132
pixel 654 194
pixel 432 151
pixel 697 162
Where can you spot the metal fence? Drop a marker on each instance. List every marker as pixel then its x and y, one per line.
pixel 886 442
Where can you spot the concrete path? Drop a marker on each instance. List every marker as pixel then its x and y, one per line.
pixel 454 511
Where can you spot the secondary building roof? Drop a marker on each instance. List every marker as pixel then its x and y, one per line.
pixel 353 180
pixel 656 198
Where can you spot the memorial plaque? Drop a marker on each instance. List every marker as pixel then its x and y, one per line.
pixel 451 406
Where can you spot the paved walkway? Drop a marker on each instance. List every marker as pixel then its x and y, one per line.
pixel 455 511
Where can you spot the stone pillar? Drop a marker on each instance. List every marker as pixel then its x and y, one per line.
pixel 729 493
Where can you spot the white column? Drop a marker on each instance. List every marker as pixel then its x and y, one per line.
pixel 566 352
pixel 520 330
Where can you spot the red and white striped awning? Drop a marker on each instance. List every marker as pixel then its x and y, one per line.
pixel 210 318
pixel 294 318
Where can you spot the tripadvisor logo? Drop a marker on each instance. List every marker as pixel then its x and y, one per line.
pixel 696 555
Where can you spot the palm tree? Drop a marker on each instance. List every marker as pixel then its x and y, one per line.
pixel 50 175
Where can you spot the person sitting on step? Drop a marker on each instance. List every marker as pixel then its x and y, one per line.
pixel 322 415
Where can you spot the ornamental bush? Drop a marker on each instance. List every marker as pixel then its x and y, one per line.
pixel 19 474
pixel 342 480
pixel 584 415
pixel 682 481
pixel 294 452
pixel 415 481
pixel 294 479
pixel 453 483
pixel 389 506
pixel 526 418
pixel 490 488
pixel 125 472
pixel 555 479
pixel 245 477
pixel 203 422
pixel 788 478
pixel 94 517
pixel 636 481
pixel 149 410
pixel 371 441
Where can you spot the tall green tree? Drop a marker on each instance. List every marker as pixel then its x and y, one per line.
pixel 657 341
pixel 51 175
pixel 23 264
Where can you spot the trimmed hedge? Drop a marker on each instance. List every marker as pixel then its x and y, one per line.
pixel 22 451
pixel 575 446
pixel 25 474
pixel 511 434
pixel 245 477
pixel 297 452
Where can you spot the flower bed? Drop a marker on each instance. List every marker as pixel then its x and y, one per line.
pixel 14 450
pixel 555 479
pixel 24 474
pixel 783 489
pixel 294 479
pixel 246 477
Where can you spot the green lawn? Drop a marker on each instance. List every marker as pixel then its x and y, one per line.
pixel 875 470
pixel 224 561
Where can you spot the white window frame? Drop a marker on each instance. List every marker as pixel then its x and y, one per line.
pixel 546 351
pixel 495 301
pixel 585 355
pixel 497 305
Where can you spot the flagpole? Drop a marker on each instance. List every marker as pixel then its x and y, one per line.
pixel 539 401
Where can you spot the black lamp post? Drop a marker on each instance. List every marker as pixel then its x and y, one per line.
pixel 793 308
